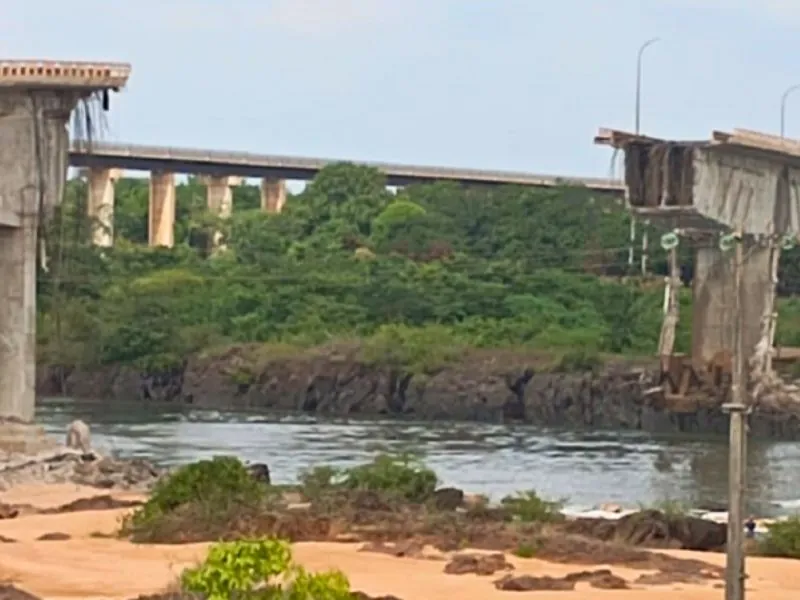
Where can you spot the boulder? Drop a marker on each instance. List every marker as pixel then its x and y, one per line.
pixel 260 472
pixel 654 529
pixel 448 498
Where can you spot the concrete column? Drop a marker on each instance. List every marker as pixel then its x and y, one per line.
pixel 161 213
pixel 100 205
pixel 273 195
pixel 220 194
pixel 219 190
pixel 713 299
pixel 33 169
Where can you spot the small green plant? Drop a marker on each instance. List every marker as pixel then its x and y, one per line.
pixel 782 539
pixel 328 585
pixel 217 483
pixel 525 550
pixel 400 476
pixel 260 569
pixel 318 480
pixel 236 569
pixel 530 508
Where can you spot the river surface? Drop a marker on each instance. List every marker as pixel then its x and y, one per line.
pixel 583 468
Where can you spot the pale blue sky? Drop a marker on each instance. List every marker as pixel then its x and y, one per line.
pixel 502 84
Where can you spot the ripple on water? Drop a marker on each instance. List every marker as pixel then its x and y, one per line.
pixel 588 468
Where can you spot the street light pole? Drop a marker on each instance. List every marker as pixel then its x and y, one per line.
pixel 639 57
pixel 784 98
pixel 638 118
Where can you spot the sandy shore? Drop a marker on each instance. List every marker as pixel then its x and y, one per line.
pixel 93 568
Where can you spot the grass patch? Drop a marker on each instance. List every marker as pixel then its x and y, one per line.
pixel 398 477
pixel 529 507
pixel 782 539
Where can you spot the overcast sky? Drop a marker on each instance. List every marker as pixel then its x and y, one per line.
pixel 502 84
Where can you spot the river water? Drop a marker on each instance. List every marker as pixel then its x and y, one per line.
pixel 583 468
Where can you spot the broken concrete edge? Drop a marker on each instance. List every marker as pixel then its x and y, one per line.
pixel 63 74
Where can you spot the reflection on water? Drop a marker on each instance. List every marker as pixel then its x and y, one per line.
pixel 587 468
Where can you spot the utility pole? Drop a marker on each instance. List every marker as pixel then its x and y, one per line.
pixel 737 408
pixel 637 123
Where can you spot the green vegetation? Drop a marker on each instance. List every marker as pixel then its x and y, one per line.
pixel 216 486
pixel 387 498
pixel 218 499
pixel 250 569
pixel 413 279
pixel 782 539
pixel 525 551
pixel 528 507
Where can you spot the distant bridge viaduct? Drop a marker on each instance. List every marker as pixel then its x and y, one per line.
pixel 104 163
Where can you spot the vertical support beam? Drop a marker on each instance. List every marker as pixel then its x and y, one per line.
pixel 220 194
pixel 666 342
pixel 273 195
pixel 100 205
pixel 645 238
pixel 219 190
pixel 714 296
pixel 761 362
pixel 33 168
pixel 161 214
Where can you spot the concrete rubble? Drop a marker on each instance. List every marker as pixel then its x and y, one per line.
pixel 28 456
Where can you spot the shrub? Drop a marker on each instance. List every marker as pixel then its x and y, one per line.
pixel 318 480
pixel 250 569
pixel 529 507
pixel 217 483
pixel 525 550
pixel 782 539
pixel 400 476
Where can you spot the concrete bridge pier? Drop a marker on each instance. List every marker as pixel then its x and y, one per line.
pixel 273 195
pixel 220 194
pixel 33 166
pixel 36 101
pixel 100 205
pixel 161 209
pixel 713 298
pixel 220 201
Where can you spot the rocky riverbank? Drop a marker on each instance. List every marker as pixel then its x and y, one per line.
pixel 487 386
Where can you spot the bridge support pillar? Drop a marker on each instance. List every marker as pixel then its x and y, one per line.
pixel 33 169
pixel 220 194
pixel 273 195
pixel 161 213
pixel 713 323
pixel 220 201
pixel 100 205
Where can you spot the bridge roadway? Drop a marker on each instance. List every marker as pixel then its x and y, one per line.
pixel 244 164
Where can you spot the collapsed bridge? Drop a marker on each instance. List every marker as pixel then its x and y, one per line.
pixel 737 190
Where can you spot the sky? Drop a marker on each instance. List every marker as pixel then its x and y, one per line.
pixel 493 84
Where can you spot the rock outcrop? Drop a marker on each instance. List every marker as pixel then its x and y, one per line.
pixel 654 529
pixel 490 386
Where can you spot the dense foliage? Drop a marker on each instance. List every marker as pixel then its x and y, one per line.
pixel 260 569
pixel 434 267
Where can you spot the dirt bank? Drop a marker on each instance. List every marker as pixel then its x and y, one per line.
pixel 75 564
pixel 490 386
